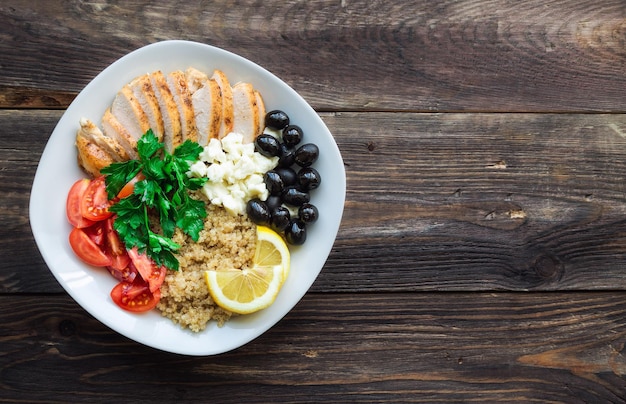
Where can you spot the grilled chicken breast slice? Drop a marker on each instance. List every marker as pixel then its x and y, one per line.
pixel 245 111
pixel 226 125
pixel 195 79
pixel 261 107
pixel 143 91
pixel 95 150
pixel 127 110
pixel 177 84
pixel 172 131
pixel 114 129
pixel 91 157
pixel 207 106
pixel 92 133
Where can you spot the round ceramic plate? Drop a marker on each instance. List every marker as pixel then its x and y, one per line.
pixel 90 286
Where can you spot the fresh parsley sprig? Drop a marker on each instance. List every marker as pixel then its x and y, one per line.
pixel 162 194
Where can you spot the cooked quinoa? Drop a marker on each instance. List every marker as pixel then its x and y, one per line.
pixel 227 241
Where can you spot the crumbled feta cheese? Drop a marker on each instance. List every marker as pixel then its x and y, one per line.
pixel 235 172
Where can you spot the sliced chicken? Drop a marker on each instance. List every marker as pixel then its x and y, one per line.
pixel 207 107
pixel 95 150
pixel 91 157
pixel 195 79
pixel 172 132
pixel 93 134
pixel 127 109
pixel 143 91
pixel 114 129
pixel 177 84
pixel 245 111
pixel 261 107
pixel 177 106
pixel 226 126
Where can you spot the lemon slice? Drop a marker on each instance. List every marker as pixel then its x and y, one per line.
pixel 252 289
pixel 271 250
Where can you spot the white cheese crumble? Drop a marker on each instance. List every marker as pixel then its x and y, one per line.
pixel 234 171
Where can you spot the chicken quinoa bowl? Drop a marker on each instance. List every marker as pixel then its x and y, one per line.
pixel 194 196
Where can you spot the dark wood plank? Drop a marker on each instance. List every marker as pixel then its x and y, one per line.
pixel 342 55
pixel 451 347
pixel 485 199
pixel 22 141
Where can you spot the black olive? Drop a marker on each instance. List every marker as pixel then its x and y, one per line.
pixel 276 119
pixel 273 182
pixel 292 135
pixel 258 212
pixel 273 201
pixel 294 197
pixel 288 175
pixel 286 156
pixel 296 232
pixel 308 213
pixel 309 178
pixel 306 154
pixel 280 219
pixel 267 145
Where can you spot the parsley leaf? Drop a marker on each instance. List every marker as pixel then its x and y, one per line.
pixel 162 195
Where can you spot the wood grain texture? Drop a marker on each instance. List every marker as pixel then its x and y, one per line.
pixel 485 199
pixel 482 252
pixel 528 347
pixel 471 55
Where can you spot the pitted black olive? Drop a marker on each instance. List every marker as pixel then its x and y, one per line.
pixel 267 145
pixel 292 135
pixel 258 212
pixel 288 175
pixel 273 201
pixel 286 156
pixel 296 232
pixel 309 178
pixel 308 213
pixel 276 119
pixel 273 182
pixel 306 154
pixel 294 197
pixel 280 219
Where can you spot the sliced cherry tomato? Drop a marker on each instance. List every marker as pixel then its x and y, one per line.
pixel 114 247
pixel 148 269
pixel 96 233
pixel 72 205
pixel 87 250
pixel 127 274
pixel 135 296
pixel 120 262
pixel 130 187
pixel 95 203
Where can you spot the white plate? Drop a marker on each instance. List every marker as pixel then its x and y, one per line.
pixel 90 287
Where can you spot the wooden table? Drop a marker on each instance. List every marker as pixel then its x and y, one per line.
pixel 482 252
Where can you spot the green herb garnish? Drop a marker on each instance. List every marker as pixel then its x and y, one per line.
pixel 162 194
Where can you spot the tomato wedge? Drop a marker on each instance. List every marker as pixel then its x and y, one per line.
pixel 95 202
pixel 87 250
pixel 114 247
pixel 73 204
pixel 150 272
pixel 127 274
pixel 129 188
pixel 96 233
pixel 135 296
